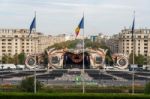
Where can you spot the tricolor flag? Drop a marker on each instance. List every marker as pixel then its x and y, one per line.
pixel 33 25
pixel 80 26
pixel 132 31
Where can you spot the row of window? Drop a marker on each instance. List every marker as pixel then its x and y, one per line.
pixel 16 50
pixel 15 43
pixel 9 53
pixel 138 44
pixel 5 50
pixel 12 31
pixel 16 36
pixel 7 31
pixel 134 36
pixel 15 40
pixel 16 47
pixel 127 51
pixel 145 44
pixel 145 48
pixel 131 40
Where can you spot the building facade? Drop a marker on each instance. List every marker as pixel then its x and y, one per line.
pixel 141 42
pixel 113 43
pixel 16 41
pixel 101 38
pixel 45 41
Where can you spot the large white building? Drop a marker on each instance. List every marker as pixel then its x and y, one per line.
pixel 16 41
pixel 141 42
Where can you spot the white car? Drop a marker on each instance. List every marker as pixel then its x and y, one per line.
pixel 7 66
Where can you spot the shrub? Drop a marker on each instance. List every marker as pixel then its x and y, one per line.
pixel 27 85
pixel 147 88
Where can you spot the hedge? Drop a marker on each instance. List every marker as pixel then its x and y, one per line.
pixel 71 96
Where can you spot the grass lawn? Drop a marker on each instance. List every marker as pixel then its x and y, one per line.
pixel 71 96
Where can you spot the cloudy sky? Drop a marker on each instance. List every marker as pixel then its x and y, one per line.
pixel 62 16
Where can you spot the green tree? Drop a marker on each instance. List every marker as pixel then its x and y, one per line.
pixel 16 59
pixel 108 58
pixel 7 59
pixel 27 85
pixel 21 58
pixel 148 60
pixel 73 43
pixel 67 44
pixel 10 59
pixel 137 59
pixel 4 59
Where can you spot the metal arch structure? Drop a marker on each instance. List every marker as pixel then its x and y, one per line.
pixel 120 61
pixel 97 53
pixel 30 61
pixel 55 60
pixel 63 58
pixel 96 57
pixel 34 60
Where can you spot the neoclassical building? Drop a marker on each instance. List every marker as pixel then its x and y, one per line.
pixel 141 42
pixel 15 41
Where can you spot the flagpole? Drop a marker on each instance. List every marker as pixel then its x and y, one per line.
pixel 35 31
pixel 83 68
pixel 35 65
pixel 133 41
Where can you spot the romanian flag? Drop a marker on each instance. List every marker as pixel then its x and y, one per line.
pixel 80 26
